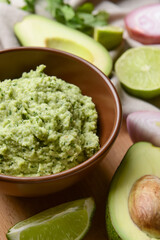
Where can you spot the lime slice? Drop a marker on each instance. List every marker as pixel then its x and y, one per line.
pixel 138 70
pixel 109 36
pixel 69 221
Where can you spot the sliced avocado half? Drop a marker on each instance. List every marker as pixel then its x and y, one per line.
pixel 35 30
pixel 141 160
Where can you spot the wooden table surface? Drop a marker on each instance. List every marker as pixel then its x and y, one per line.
pixel 13 209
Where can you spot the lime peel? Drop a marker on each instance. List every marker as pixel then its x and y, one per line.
pixel 54 222
pixel 138 71
pixel 109 36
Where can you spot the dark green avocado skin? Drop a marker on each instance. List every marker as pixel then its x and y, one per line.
pixel 141 155
pixel 112 234
pixel 35 30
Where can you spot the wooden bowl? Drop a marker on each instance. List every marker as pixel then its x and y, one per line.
pixel 92 82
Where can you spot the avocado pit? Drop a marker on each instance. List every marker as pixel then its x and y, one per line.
pixel 144 205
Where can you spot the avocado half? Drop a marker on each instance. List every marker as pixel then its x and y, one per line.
pixel 35 30
pixel 141 159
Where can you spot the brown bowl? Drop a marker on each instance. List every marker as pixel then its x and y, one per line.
pixel 92 82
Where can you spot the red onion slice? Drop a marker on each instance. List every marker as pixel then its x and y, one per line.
pixel 143 24
pixel 144 126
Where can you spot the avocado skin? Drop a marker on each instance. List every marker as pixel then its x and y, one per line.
pixel 112 234
pixel 139 152
pixel 36 30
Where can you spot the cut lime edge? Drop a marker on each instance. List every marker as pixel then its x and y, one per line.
pixel 111 28
pixel 129 51
pixel 144 94
pixel 108 36
pixel 130 88
pixel 138 92
pixel 89 205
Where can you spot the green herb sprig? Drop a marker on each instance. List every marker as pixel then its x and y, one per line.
pixel 29 6
pixel 81 18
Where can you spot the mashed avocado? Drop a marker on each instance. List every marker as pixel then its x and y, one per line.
pixel 46 125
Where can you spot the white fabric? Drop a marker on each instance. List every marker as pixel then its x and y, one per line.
pixel 117 13
pixel 10 14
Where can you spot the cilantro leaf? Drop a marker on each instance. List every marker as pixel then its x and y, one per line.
pixel 81 18
pixel 30 6
pixel 53 6
pixel 86 7
pixel 102 16
pixel 67 12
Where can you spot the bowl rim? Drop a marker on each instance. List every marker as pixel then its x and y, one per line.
pixel 95 158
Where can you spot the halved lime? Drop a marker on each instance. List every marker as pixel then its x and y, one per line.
pixel 109 36
pixel 138 70
pixel 69 221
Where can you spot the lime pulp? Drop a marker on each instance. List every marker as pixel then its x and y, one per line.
pixel 69 221
pixel 139 72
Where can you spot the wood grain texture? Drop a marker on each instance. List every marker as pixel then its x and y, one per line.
pixel 13 210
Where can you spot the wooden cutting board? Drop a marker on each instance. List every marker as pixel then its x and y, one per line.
pixel 13 209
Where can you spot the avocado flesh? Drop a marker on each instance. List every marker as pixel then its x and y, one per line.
pixel 35 30
pixel 112 234
pixel 141 159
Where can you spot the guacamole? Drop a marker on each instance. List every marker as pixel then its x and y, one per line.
pixel 46 125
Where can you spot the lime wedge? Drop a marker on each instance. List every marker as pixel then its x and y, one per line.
pixel 69 221
pixel 138 70
pixel 109 36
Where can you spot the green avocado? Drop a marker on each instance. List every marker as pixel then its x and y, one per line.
pixel 142 159
pixel 35 30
